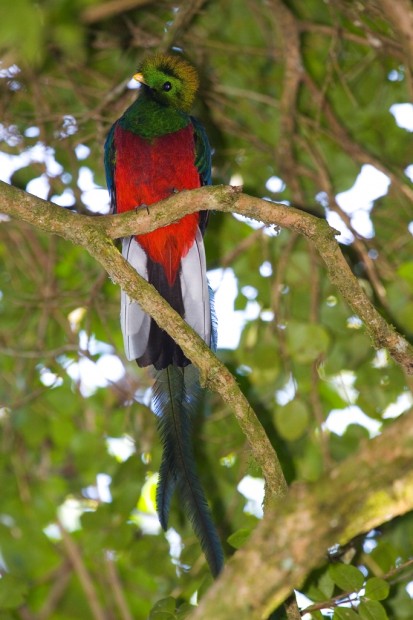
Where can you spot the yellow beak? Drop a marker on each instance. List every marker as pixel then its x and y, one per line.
pixel 139 78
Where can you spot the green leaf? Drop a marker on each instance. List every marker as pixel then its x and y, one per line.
pixel 12 592
pixel 342 446
pixel 377 589
pixel 345 613
pixel 372 610
pixel 164 609
pixel 326 585
pixel 184 610
pixel 317 615
pixel 292 420
pixel 24 17
pixel 322 589
pixel 405 271
pixel 385 555
pixel 310 461
pixel 306 342
pixel 347 577
pixel 239 538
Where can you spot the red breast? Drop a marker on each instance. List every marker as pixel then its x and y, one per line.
pixel 147 171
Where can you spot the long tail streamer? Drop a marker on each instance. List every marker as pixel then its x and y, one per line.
pixel 175 396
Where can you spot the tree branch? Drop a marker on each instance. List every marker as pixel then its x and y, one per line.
pixel 361 493
pixel 94 233
pixel 85 579
pixel 400 15
pixel 90 233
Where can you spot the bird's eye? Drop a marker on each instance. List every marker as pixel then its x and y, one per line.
pixel 167 86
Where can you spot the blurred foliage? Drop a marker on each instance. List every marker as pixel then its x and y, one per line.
pixel 300 91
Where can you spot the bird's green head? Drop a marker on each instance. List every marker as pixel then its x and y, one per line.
pixel 170 80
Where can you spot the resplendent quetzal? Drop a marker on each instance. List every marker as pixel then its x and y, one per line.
pixel 155 149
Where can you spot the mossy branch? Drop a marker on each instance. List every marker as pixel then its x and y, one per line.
pixel 368 489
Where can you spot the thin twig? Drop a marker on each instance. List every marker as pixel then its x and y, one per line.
pixel 83 574
pixel 116 588
pixel 56 592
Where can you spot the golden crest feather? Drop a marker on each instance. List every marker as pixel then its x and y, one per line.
pixel 160 67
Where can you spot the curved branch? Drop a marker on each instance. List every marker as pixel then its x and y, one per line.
pixel 90 233
pixel 95 232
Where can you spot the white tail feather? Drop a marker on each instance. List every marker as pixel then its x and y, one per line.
pixel 134 322
pixel 194 286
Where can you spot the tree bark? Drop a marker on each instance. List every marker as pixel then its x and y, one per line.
pixel 361 493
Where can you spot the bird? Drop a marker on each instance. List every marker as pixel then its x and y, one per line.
pixel 155 149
